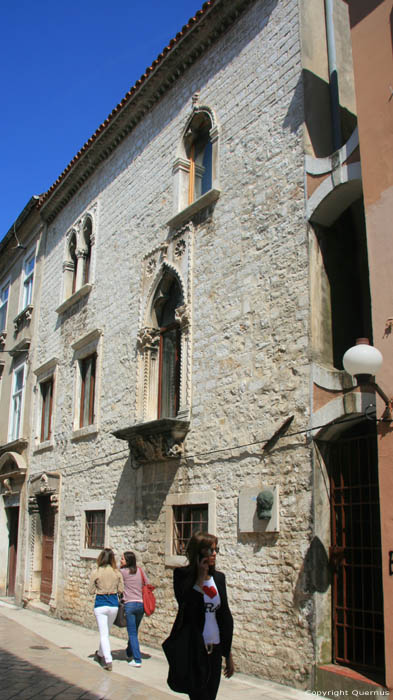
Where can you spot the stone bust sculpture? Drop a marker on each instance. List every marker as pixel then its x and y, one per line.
pixel 265 504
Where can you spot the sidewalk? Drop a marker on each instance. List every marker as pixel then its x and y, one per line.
pixel 147 682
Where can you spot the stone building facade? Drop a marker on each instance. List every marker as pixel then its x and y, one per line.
pixel 187 332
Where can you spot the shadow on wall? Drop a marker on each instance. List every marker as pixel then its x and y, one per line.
pixel 359 10
pixel 141 493
pixel 315 574
pixel 316 113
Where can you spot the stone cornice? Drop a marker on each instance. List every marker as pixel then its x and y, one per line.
pixel 208 26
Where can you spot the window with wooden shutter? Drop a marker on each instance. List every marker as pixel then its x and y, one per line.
pixel 88 378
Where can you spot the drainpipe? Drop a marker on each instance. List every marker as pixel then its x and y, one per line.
pixel 333 79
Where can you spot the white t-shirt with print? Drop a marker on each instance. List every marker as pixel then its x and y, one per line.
pixel 212 602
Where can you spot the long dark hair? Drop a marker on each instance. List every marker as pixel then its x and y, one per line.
pixel 130 561
pixel 106 558
pixel 198 546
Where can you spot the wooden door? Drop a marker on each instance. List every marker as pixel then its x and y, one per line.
pixel 48 527
pixel 13 520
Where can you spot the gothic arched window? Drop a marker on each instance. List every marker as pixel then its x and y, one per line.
pixel 73 261
pixel 195 170
pixel 167 299
pixel 87 231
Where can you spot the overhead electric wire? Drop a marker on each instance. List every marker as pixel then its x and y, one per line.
pixel 106 458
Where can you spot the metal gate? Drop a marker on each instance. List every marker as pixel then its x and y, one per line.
pixel 358 629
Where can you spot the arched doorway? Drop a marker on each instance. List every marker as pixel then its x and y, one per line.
pixel 351 461
pixel 12 476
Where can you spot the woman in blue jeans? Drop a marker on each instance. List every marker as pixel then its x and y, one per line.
pixel 133 604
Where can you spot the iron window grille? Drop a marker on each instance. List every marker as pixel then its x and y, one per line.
pixel 188 519
pixel 95 529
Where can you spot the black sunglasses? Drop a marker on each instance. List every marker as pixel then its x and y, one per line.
pixel 210 551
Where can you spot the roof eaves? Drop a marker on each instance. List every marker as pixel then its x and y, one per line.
pixel 31 204
pixel 192 40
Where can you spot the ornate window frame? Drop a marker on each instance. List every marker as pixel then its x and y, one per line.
pixel 42 484
pixel 75 285
pixel 183 167
pixel 175 256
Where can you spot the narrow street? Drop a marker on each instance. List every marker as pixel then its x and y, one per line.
pixel 48 658
pixel 34 667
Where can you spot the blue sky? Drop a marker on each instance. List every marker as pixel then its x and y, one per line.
pixel 65 66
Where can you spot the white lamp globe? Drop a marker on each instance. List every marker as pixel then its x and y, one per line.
pixel 362 359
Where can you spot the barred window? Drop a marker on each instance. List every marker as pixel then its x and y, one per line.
pixel 95 529
pixel 188 519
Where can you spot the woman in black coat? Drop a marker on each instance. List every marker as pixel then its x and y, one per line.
pixel 201 591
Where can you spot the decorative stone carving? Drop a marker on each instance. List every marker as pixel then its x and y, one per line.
pixel 151 266
pixel 182 315
pixel 12 473
pixel 54 501
pixel 44 483
pixel 155 441
pixel 32 505
pixel 173 257
pixel 3 336
pixel 7 485
pixel 23 318
pixel 148 338
pixel 180 248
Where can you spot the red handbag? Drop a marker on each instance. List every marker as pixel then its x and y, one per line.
pixel 149 599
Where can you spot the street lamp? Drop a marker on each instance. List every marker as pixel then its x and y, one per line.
pixel 363 361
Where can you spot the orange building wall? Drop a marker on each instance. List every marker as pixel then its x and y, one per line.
pixel 371 31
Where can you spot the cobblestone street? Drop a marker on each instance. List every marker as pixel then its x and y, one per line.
pixel 33 667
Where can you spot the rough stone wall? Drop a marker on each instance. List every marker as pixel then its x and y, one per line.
pixel 250 344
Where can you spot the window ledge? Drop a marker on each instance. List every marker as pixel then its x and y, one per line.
pixel 186 214
pixel 156 441
pixel 90 553
pixel 22 346
pixel 176 560
pixel 43 446
pixel 74 298
pixel 18 445
pixel 86 431
pixel 24 317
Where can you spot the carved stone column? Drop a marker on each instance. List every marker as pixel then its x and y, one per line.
pixel 148 343
pixel 182 315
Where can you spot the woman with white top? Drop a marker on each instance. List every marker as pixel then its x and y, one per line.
pixel 201 593
pixel 106 582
